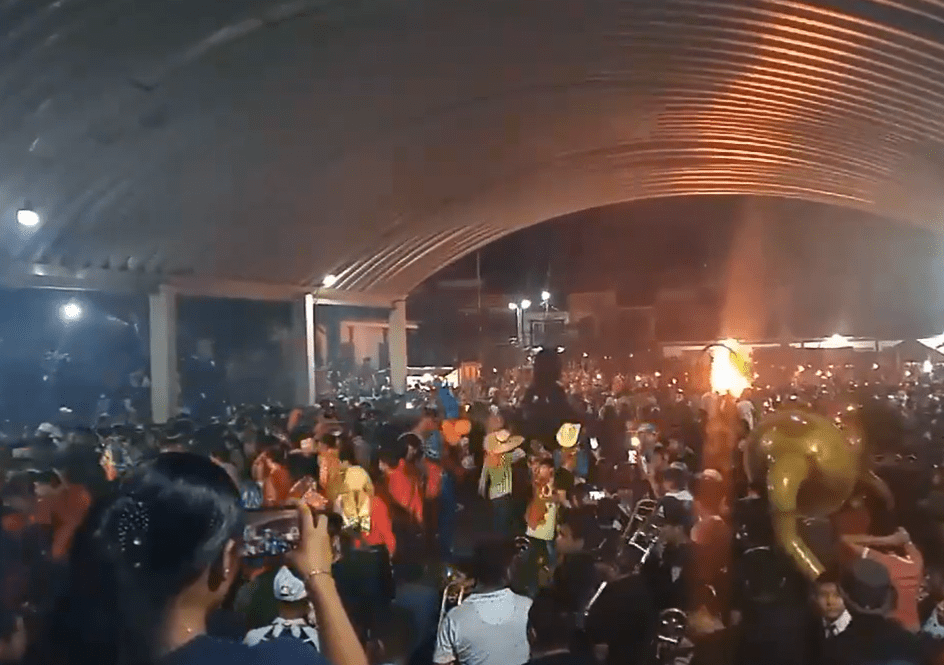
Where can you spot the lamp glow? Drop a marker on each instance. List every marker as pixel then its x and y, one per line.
pixel 512 305
pixel 27 217
pixel 525 304
pixel 545 296
pixel 329 281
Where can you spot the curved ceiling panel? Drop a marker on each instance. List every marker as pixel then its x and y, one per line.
pixel 380 140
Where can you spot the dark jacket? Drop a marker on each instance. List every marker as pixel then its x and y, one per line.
pixel 871 640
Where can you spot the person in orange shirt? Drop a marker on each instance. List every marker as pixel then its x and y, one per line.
pixel 403 485
pixel 277 483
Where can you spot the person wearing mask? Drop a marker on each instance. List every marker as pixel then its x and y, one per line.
pixel 155 559
pixel 295 613
pixel 490 626
pixel 550 632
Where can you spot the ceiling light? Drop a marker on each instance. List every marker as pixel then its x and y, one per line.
pixel 329 281
pixel 71 311
pixel 27 217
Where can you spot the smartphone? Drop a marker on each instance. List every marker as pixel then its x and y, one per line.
pixel 270 532
pixel 633 456
pixel 596 495
pixel 594 444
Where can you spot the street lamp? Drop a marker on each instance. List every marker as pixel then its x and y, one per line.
pixel 525 304
pixel 545 296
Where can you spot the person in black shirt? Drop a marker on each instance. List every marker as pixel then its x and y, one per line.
pixel 550 629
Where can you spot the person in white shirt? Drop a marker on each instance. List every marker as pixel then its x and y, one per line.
pixel 491 626
pixel 296 613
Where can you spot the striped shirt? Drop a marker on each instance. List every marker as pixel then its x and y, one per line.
pixel 499 477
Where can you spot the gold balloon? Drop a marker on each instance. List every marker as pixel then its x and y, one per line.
pixel 811 468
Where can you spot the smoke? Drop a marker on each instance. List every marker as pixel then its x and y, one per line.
pixel 747 303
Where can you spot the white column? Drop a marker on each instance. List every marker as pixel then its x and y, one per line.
pixel 297 362
pixel 165 381
pixel 397 343
pixel 310 348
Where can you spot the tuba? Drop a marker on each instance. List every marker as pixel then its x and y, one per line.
pixel 811 467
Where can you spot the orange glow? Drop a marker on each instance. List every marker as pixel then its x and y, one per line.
pixel 726 378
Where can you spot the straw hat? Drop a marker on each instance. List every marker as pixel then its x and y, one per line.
pixel 568 435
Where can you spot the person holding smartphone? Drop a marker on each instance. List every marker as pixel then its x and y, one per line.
pixel 155 559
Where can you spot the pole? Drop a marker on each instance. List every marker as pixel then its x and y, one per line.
pixel 311 330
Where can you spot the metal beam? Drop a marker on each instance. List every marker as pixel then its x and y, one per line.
pixel 18 275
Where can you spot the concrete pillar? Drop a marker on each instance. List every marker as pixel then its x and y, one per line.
pixel 397 342
pixel 299 362
pixel 165 380
pixel 311 356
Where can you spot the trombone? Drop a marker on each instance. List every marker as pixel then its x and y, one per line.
pixel 456 587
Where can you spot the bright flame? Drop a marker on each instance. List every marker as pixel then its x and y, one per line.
pixel 725 376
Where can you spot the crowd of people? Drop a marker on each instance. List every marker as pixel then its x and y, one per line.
pixel 615 523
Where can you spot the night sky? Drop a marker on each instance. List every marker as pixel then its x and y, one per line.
pixel 844 269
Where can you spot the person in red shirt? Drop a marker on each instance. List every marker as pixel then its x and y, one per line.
pixel 403 485
pixel 905 567
pixel 381 527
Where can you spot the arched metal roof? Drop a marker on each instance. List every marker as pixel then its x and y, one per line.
pixel 221 143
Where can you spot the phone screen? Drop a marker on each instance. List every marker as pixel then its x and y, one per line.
pixel 270 532
pixel 594 444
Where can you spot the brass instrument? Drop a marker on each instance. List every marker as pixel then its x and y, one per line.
pixel 811 468
pixel 643 533
pixel 455 588
pixel 673 624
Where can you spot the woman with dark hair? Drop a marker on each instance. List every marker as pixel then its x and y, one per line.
pixel 156 558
